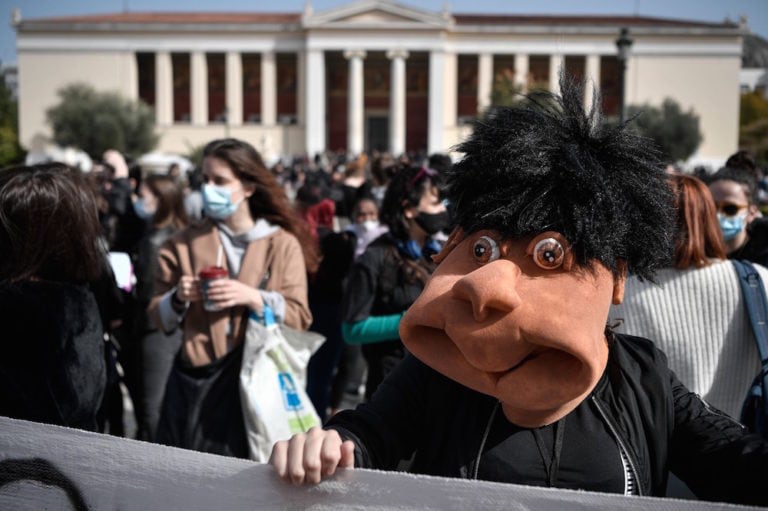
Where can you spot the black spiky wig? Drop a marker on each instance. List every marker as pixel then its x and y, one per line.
pixel 547 164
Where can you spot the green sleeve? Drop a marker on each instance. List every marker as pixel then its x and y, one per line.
pixel 372 329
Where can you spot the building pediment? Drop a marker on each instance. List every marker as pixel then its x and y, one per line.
pixel 366 14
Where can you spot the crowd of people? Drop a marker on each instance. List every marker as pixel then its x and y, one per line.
pixel 471 308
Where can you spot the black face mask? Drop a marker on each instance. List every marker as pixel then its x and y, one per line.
pixel 432 223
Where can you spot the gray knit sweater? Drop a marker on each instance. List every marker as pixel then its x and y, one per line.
pixel 699 319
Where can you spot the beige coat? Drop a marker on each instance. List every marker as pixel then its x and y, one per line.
pixel 192 249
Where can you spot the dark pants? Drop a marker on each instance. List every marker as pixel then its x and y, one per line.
pixel 201 409
pixel 157 354
pixel 323 363
pixel 382 357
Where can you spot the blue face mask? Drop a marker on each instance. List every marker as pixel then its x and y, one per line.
pixel 730 226
pixel 140 207
pixel 217 202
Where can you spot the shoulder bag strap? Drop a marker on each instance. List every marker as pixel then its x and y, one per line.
pixel 754 296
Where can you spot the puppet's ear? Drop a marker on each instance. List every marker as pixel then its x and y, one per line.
pixel 456 237
pixel 619 281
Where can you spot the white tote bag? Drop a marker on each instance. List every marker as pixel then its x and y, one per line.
pixel 272 382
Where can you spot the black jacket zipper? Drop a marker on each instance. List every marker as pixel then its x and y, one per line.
pixel 614 431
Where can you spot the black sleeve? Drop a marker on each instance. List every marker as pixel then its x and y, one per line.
pixel 146 269
pixel 714 454
pixel 109 299
pixel 361 287
pixel 388 428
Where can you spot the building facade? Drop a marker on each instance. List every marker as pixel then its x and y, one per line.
pixel 372 74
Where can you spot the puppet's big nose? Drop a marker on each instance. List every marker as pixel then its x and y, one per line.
pixel 490 288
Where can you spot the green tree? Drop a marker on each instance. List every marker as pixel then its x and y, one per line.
pixel 676 132
pixel 753 107
pixel 10 150
pixel 96 121
pixel 753 126
pixel 195 154
pixel 505 91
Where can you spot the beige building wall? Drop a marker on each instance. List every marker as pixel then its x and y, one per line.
pixel 700 72
pixel 707 84
pixel 270 141
pixel 43 73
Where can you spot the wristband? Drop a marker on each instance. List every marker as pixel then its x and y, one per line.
pixel 175 301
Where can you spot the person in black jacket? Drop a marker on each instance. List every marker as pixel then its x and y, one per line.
pixel 52 368
pixel 513 375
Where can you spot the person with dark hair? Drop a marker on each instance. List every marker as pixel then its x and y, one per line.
pixel 123 229
pixel 387 278
pixel 746 161
pixel 440 162
pixel 161 205
pixel 383 168
pixel 745 232
pixel 193 198
pixel 695 311
pixel 352 186
pixel 513 374
pixel 314 205
pixel 366 226
pixel 254 239
pixel 53 367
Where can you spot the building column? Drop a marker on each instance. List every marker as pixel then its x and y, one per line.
pixel 234 84
pixel 133 77
pixel 163 89
pixel 356 107
pixel 450 83
pixel 591 79
pixel 199 86
pixel 484 81
pixel 436 121
pixel 315 103
pixel 397 112
pixel 268 89
pixel 556 63
pixel 521 71
pixel 301 89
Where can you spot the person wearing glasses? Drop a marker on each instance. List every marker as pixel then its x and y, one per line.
pixel 745 232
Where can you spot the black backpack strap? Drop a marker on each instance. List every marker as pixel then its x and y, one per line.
pixel 757 306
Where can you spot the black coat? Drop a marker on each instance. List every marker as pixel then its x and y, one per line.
pixel 52 367
pixel 756 247
pixel 659 424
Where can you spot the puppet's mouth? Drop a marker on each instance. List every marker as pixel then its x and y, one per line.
pixel 499 374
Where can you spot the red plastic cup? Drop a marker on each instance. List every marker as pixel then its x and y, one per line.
pixel 208 275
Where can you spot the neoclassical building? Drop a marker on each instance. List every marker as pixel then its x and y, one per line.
pixel 372 74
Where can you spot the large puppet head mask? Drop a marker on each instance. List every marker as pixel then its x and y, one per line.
pixel 552 208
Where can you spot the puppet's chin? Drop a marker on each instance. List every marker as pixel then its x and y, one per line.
pixel 543 386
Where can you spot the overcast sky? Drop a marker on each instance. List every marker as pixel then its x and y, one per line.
pixel 700 10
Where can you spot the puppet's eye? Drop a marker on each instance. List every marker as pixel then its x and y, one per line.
pixel 548 254
pixel 485 250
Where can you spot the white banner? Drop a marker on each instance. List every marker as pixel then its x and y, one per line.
pixel 55 468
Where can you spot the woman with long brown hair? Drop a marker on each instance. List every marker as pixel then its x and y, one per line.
pixel 695 311
pixel 261 250
pixel 52 367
